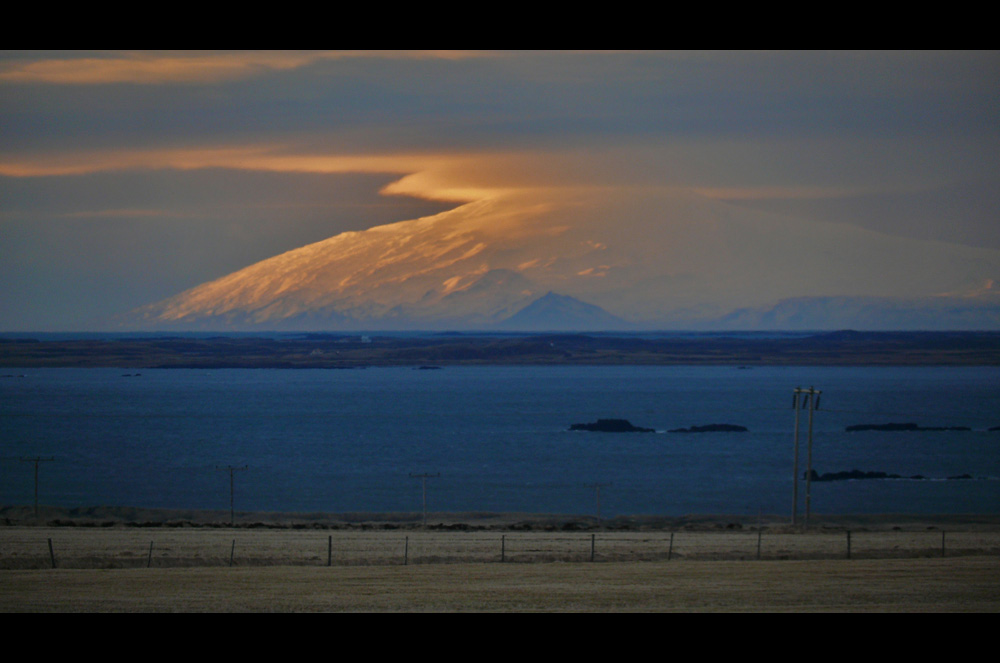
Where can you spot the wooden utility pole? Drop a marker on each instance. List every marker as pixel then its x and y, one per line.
pixel 36 460
pixel 795 462
pixel 232 491
pixel 802 398
pixel 813 405
pixel 597 488
pixel 423 481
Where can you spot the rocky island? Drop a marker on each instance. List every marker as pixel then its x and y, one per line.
pixel 611 426
pixel 813 475
pixel 902 427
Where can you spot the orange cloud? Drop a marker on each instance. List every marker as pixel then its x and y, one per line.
pixel 156 68
pixel 248 157
pixel 537 177
pixel 431 176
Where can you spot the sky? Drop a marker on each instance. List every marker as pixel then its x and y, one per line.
pixel 128 177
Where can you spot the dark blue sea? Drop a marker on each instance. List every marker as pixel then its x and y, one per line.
pixel 496 438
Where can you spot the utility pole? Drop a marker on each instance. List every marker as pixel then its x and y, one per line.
pixel 802 398
pixel 423 482
pixel 796 393
pixel 231 471
pixel 36 460
pixel 813 406
pixel 597 487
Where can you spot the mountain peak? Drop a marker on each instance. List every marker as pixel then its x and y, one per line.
pixel 555 312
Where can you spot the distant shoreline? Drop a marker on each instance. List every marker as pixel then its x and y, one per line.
pixel 119 516
pixel 352 351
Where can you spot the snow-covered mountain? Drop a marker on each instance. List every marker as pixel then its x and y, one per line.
pixel 645 258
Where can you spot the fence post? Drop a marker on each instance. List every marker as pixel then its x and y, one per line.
pixel 758 544
pixel 406 550
pixel 329 550
pixel 848 544
pixel 942 543
pixel 503 547
pixel 52 554
pixel 670 550
pixel 232 551
pixel 592 537
pixel 149 560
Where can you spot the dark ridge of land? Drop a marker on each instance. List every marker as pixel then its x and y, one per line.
pixel 120 516
pixel 442 350
pixel 902 427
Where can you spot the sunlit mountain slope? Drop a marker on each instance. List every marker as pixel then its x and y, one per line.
pixel 648 257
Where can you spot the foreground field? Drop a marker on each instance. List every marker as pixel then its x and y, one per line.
pixel 969 584
pixel 111 561
pixel 118 547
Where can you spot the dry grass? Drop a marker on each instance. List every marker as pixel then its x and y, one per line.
pixel 968 584
pixel 710 568
pixel 190 562
pixel 23 548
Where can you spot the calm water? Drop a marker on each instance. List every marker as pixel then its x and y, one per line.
pixel 348 440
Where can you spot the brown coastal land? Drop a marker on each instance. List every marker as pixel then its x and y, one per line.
pixel 329 350
pixel 111 559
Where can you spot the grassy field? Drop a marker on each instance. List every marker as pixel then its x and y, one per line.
pixel 896 564
pixel 27 548
pixel 967 584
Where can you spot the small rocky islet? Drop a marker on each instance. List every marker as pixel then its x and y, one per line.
pixel 813 475
pixel 902 427
pixel 626 426
pixel 611 426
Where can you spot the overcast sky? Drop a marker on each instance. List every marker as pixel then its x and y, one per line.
pixel 127 177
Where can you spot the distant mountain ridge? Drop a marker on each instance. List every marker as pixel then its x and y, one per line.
pixel 870 313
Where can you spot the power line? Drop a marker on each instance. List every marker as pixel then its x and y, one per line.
pixel 597 488
pixel 231 471
pixel 36 460
pixel 423 481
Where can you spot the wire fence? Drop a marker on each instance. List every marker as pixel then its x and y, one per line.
pixel 36 548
